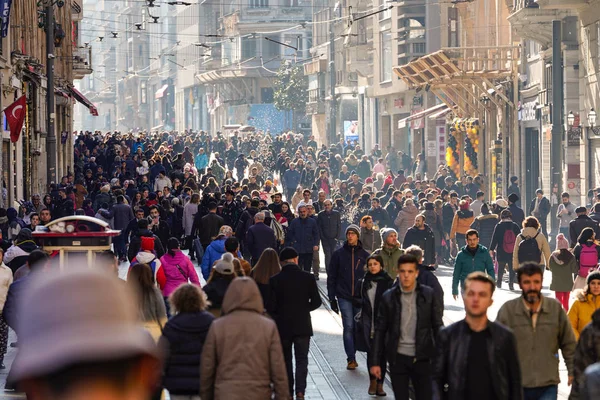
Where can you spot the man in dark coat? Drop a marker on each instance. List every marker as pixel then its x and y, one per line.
pixel 330 225
pixel 580 223
pixel 514 188
pixel 518 215
pixel 294 295
pixel 499 245
pixel 209 225
pixel 303 235
pixel 121 214
pixel 540 208
pixel 420 234
pixel 136 241
pixel 259 237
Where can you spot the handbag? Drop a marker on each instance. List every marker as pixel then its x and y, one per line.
pixel 187 278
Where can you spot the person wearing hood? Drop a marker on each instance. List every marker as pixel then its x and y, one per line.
pixel 136 240
pixel 368 294
pixel 147 256
pixel 177 268
pixel 390 251
pixel 485 224
pixel 221 275
pixel 461 223
pixel 587 351
pixel 346 268
pixel 530 234
pixel 582 221
pixel 587 253
pixel 236 365
pixel 404 220
pixel 503 245
pixel 472 257
pixel 183 337
pixel 562 265
pixel 421 235
pixel 14 226
pixel 17 254
pixel 215 250
pixel 518 215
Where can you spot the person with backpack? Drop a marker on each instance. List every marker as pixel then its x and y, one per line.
pixel 531 245
pixel 580 223
pixel 502 247
pixel 587 253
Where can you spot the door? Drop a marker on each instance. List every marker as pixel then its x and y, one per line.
pixel 532 164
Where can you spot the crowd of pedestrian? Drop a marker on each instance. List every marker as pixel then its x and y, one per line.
pixel 252 212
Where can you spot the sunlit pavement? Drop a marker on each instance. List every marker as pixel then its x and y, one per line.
pixel 328 378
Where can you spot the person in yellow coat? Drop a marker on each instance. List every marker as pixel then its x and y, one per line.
pixel 588 301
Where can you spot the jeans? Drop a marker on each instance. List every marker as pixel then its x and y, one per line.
pixel 348 312
pixel 301 345
pixel 461 241
pixel 406 370
pixel 541 393
pixel 511 273
pixel 119 245
pixel 305 261
pixel 329 246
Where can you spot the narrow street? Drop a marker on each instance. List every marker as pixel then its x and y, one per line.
pixel 328 378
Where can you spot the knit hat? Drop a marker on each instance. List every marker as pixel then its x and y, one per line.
pixel 353 228
pixel 561 242
pixel 288 253
pixel 147 244
pixel 224 266
pixel 429 206
pixel 388 180
pixel 225 230
pixel 513 198
pixel 593 276
pixel 385 232
pixel 513 179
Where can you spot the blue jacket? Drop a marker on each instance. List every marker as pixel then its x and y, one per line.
pixel 258 238
pixel 201 161
pixel 213 252
pixel 347 267
pixel 303 235
pixel 291 178
pixel 466 263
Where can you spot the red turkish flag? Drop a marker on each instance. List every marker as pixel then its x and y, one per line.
pixel 15 116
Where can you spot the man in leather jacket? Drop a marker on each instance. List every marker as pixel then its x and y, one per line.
pixel 460 372
pixel 408 321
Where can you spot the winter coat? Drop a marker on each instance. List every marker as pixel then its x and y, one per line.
pixel 428 278
pixel 390 257
pixel 370 239
pixel 258 238
pixel 380 217
pixel 466 263
pixel 587 353
pixel 209 227
pixel 174 276
pixel 579 224
pixel 565 219
pixel 448 212
pixel 121 214
pixel 425 239
pixel 136 242
pixel 189 210
pixel 239 366
pixel 302 235
pixel 389 317
pixel 293 295
pixel 434 221
pixel 497 243
pixel 103 197
pixel 461 223
pixel 144 257
pixel 183 338
pixel 16 255
pixel 543 208
pixel 485 224
pixel 449 367
pixel 347 266
pixel 213 252
pixel 246 220
pixel 518 215
pixel 580 313
pixel 542 245
pixel 366 327
pixel 562 272
pixel 330 224
pixel 404 220
pixel 291 178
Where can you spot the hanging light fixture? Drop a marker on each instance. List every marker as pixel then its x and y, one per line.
pixel 570 119
pixel 592 117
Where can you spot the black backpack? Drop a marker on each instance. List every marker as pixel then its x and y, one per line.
pixel 529 250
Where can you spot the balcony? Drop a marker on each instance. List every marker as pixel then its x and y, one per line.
pixel 359 58
pixel 534 23
pixel 82 62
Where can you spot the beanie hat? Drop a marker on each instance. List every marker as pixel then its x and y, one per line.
pixel 561 242
pixel 388 180
pixel 429 206
pixel 147 244
pixel 353 228
pixel 513 179
pixel 513 197
pixel 288 253
pixel 225 264
pixel 593 276
pixel 385 232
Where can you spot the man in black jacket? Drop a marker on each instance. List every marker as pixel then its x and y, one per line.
pixel 259 237
pixel 330 225
pixel 294 295
pixel 209 225
pixel 420 234
pixel 477 358
pixel 540 208
pixel 410 316
pixel 580 223
pixel 503 244
pixel 518 215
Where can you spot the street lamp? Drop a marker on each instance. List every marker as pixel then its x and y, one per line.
pixel 574 131
pixel 592 121
pixel 570 119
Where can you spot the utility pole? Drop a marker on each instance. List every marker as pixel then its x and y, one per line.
pixel 557 108
pixel 50 134
pixel 332 80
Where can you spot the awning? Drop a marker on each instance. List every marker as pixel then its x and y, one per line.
pixel 61 92
pixel 83 100
pixel 161 92
pixel 420 114
pixel 440 113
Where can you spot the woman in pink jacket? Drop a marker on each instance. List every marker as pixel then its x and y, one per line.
pixel 178 269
